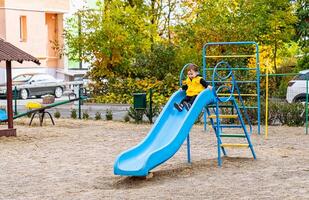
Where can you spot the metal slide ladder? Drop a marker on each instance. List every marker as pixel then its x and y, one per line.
pixel 241 116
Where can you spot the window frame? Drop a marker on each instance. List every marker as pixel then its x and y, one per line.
pixel 23 31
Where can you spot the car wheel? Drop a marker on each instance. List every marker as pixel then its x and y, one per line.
pixel 24 94
pixel 58 92
pixel 301 100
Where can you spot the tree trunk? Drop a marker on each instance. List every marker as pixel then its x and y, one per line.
pixel 168 21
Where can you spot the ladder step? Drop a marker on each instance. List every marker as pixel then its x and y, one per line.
pixel 225 99
pixel 243 95
pixel 223 116
pixel 229 126
pixel 234 145
pixel 233 135
pixel 231 106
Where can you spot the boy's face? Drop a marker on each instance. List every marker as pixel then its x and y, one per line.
pixel 192 74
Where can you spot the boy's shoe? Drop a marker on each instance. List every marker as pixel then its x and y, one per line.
pixel 187 105
pixel 179 107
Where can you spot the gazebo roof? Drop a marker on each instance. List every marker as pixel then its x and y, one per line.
pixel 9 52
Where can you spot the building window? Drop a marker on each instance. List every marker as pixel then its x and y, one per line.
pixel 23 28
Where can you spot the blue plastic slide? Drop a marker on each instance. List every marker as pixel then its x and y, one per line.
pixel 3 115
pixel 164 139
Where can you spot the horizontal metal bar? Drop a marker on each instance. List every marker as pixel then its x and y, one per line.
pixel 230 43
pixel 230 106
pixel 287 74
pixel 234 145
pixel 229 126
pixel 47 107
pixel 249 107
pixel 233 135
pixel 231 56
pixel 223 116
pixel 232 81
pixel 235 68
pixel 243 95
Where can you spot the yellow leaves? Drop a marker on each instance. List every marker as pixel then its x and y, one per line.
pixel 116 57
pixel 266 60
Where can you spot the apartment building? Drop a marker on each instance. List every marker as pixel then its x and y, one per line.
pixel 34 26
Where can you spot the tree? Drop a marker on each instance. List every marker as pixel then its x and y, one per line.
pixel 302 25
pixel 132 41
pixel 276 24
pixel 110 38
pixel 302 30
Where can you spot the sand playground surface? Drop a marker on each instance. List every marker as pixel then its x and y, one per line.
pixel 74 160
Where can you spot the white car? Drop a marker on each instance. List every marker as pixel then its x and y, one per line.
pixel 296 91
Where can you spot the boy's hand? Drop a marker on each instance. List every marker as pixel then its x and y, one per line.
pixel 210 87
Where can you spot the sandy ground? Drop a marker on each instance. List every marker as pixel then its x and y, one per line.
pixel 74 160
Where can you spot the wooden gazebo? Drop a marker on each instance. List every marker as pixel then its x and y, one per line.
pixel 9 53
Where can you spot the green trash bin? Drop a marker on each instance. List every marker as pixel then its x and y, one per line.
pixel 139 101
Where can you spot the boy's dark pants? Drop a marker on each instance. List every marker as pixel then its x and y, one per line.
pixel 189 99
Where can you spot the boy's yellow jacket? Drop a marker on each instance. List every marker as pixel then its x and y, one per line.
pixel 194 86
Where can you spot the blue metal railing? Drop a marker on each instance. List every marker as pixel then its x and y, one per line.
pixel 231 89
pixel 257 68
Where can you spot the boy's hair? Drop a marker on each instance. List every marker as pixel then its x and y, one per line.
pixel 193 67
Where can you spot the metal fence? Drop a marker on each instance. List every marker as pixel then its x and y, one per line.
pixel 285 99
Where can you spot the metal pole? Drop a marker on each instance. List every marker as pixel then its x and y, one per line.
pixel 79 103
pixel 205 119
pixel 204 76
pixel 150 105
pixel 9 96
pixel 266 105
pixel 15 101
pixel 188 148
pixel 258 86
pixel 218 134
pixel 306 106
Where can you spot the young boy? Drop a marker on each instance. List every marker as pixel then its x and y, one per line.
pixel 194 84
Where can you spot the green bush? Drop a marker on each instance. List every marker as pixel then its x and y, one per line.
pixel 281 113
pixel 85 114
pixel 109 114
pixel 137 115
pixel 97 116
pixel 253 113
pixel 121 90
pixel 73 114
pixel 291 114
pixel 57 114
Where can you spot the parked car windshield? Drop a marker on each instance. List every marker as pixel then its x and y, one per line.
pixel 43 78
pixel 22 78
pixel 301 77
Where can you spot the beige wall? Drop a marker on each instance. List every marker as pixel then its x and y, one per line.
pixel 39 28
pixel 60 38
pixel 36 32
pixel 2 24
pixel 39 5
